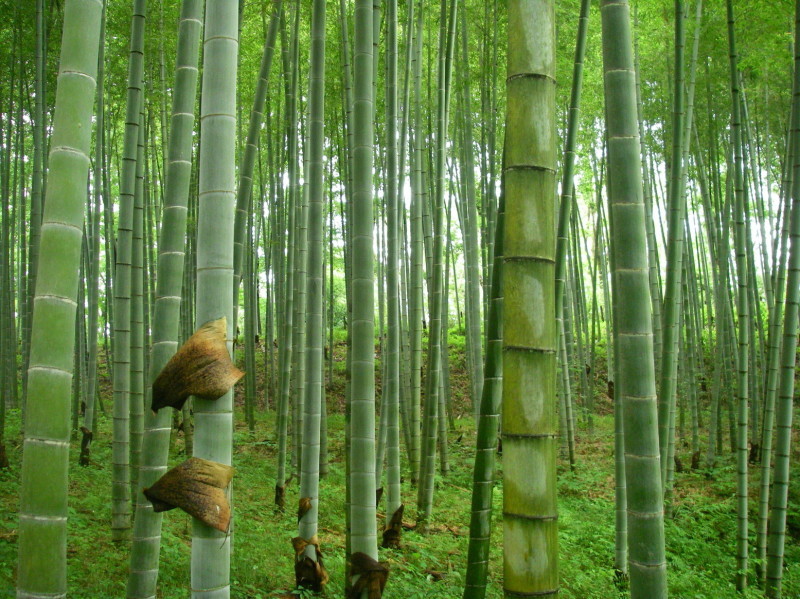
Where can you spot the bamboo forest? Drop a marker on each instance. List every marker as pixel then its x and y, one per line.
pixel 399 299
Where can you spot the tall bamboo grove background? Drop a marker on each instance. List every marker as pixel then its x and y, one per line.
pixel 511 287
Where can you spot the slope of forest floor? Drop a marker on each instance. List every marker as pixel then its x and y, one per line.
pixel 701 535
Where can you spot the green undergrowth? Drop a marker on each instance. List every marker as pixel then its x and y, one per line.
pixel 701 535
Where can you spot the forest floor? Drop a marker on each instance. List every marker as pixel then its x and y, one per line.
pixel 701 534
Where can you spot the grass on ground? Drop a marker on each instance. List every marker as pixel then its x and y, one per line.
pixel 701 536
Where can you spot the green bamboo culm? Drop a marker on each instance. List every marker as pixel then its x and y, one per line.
pixel 315 327
pixel 653 258
pixel 362 388
pixel 773 368
pixel 120 489
pixel 300 292
pixel 415 301
pixel 298 289
pixel 474 306
pixel 620 482
pixel 136 389
pixel 245 188
pixel 42 565
pixel 690 298
pixel 633 324
pixel 530 424
pixel 565 206
pixel 483 477
pixel 433 390
pixel 783 436
pixel 391 403
pixel 94 283
pixel 37 184
pixel 346 203
pixel 569 156
pixel 287 349
pixel 217 194
pixel 146 543
pixel 672 289
pixel 743 315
